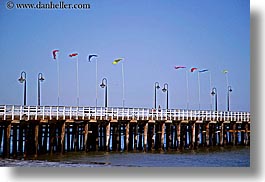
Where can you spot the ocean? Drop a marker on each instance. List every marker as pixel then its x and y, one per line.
pixel 229 156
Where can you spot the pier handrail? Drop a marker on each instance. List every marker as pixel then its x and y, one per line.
pixel 17 112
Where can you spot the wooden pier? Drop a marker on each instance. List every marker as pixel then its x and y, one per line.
pixel 33 130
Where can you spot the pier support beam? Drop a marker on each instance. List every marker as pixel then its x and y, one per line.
pixel 6 144
pixel 234 133
pixel 62 138
pixel 178 131
pixel 221 139
pixel 162 147
pixel 131 136
pixel 153 135
pixel 36 139
pixel 135 136
pixel 14 142
pixel 145 136
pixel 52 137
pixel 193 135
pixel 207 138
pixel 246 134
pixel 168 146
pixel 127 136
pixel 108 136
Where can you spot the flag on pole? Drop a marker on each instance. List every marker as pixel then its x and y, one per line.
pixel 193 69
pixel 178 67
pixel 201 71
pixel 116 61
pixel 54 53
pixel 225 71
pixel 73 54
pixel 90 56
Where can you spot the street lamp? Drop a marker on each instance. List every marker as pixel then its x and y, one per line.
pixel 214 92
pixel 165 89
pixel 40 79
pixel 21 80
pixel 229 89
pixel 104 85
pixel 156 87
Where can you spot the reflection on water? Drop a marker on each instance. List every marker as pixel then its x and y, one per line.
pixel 204 157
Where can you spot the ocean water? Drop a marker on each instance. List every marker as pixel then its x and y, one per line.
pixel 230 156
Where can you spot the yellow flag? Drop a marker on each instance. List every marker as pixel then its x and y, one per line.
pixel 116 61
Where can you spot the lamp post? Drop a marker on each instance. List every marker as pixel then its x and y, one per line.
pixel 104 85
pixel 40 79
pixel 156 87
pixel 21 80
pixel 214 92
pixel 229 89
pixel 165 89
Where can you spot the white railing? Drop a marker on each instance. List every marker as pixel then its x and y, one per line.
pixel 13 112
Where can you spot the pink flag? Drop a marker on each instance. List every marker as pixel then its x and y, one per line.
pixel 178 67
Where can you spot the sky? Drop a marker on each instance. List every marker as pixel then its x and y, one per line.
pixel 152 37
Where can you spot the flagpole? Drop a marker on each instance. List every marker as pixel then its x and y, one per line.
pixel 77 81
pixel 123 97
pixel 211 103
pixel 199 90
pixel 226 79
pixel 58 83
pixel 96 83
pixel 187 89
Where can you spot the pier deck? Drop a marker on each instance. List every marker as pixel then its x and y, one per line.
pixel 32 130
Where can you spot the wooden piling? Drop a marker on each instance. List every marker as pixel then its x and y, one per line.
pixel 246 137
pixel 131 137
pixel 1 136
pixel 221 143
pixel 45 140
pixel 162 147
pixel 153 136
pixel 178 131
pixel 167 135
pixel 145 136
pixel 135 137
pixel 140 136
pixel 63 138
pixel 234 133
pixel 119 137
pixel 7 141
pixel 108 136
pixel 207 138
pixel 14 142
pixel 149 136
pixel 193 135
pixel 36 139
pixel 127 136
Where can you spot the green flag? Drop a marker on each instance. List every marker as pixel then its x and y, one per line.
pixel 225 71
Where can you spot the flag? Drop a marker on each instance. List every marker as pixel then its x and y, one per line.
pixel 116 61
pixel 193 69
pixel 73 54
pixel 90 56
pixel 54 53
pixel 177 67
pixel 201 71
pixel 225 71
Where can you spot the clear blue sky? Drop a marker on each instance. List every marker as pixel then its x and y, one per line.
pixel 152 36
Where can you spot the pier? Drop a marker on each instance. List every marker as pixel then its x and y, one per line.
pixel 34 130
